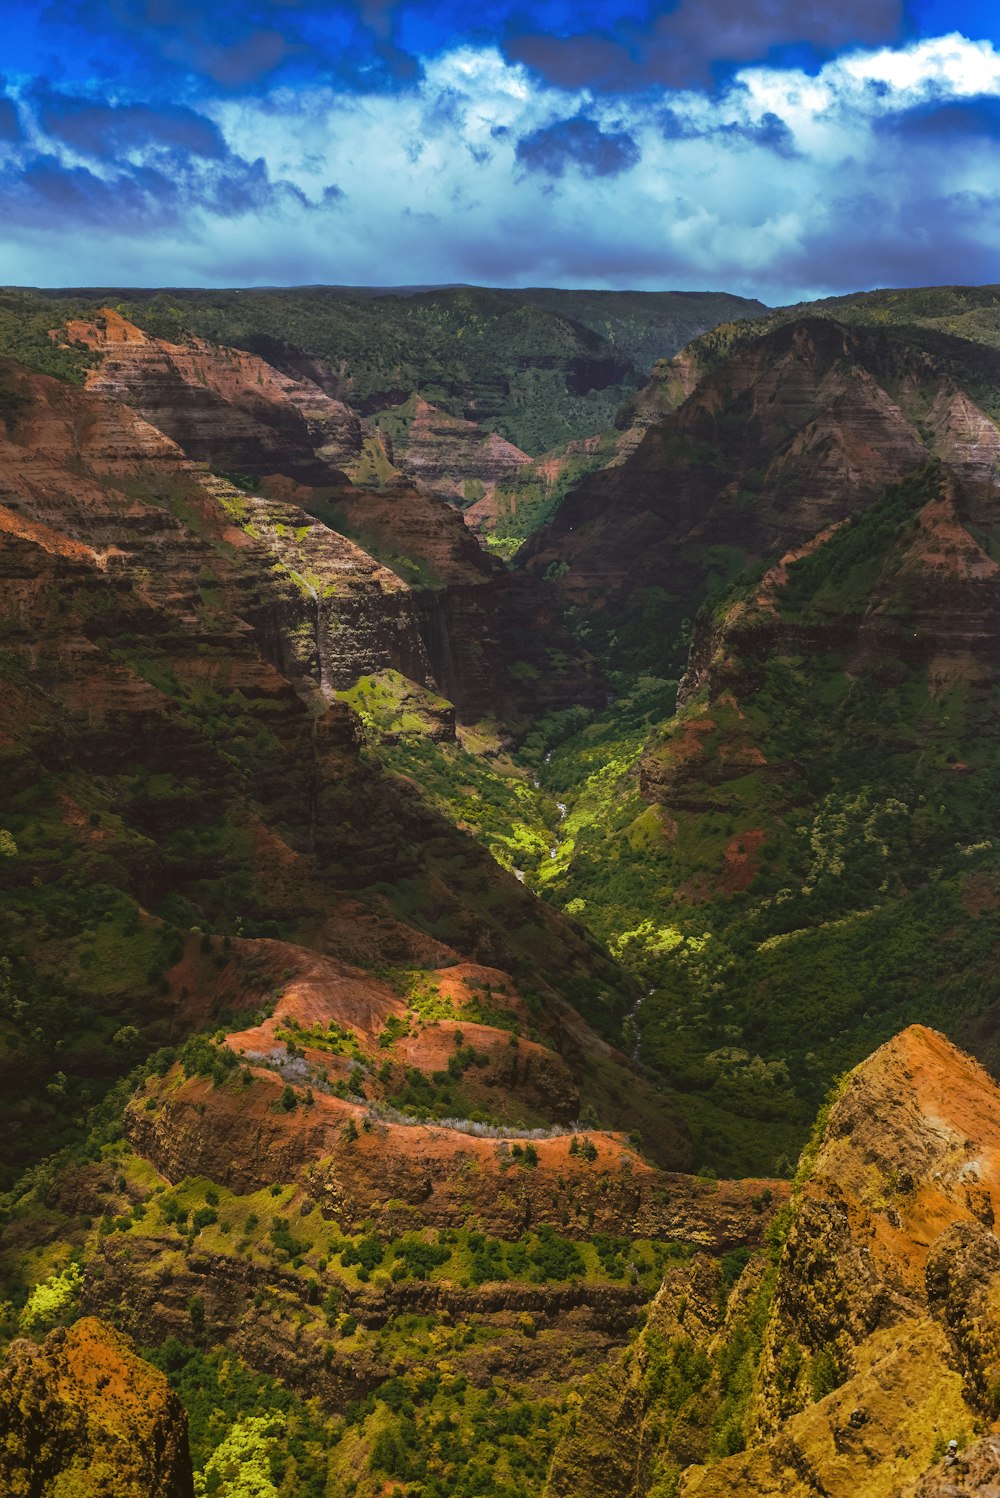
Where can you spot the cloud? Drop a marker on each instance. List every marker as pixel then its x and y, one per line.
pixel 769 131
pixel 108 131
pixel 43 191
pixel 10 123
pixel 948 121
pixel 235 46
pixel 877 168
pixel 690 43
pixel 577 142
pixel 48 191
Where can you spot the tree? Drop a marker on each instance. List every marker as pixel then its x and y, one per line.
pixel 196 1310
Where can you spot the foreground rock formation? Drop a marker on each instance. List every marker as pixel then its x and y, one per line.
pixel 81 1414
pixel 869 1341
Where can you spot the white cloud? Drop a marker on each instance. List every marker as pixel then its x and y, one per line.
pixel 784 184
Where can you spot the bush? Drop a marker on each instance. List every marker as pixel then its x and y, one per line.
pixel 368 1253
pixel 51 1301
pixel 202 1057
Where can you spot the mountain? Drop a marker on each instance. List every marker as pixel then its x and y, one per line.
pixel 847 1356
pixel 796 429
pixel 419 974
pixel 540 368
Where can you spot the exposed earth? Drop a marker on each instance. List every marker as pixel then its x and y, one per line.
pixel 500 895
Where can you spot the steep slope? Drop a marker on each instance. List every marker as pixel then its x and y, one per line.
pixel 847 1362
pixel 379 1131
pixel 174 757
pixel 82 1414
pixel 795 430
pixel 224 407
pixel 888 1282
pixel 942 318
pixel 286 440
pixel 803 858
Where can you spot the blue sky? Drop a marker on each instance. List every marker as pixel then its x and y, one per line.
pixel 773 148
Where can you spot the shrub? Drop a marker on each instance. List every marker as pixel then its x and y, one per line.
pixel 51 1300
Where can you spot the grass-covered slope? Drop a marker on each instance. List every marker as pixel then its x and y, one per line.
pixel 540 368
pixel 803 858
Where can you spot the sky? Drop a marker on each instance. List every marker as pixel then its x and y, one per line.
pixel 776 148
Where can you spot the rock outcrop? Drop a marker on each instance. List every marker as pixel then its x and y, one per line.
pixel 223 406
pixel 886 1287
pixel 868 1342
pixel 83 1414
pixel 793 432
pixel 448 456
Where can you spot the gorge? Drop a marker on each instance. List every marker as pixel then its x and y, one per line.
pixel 499 893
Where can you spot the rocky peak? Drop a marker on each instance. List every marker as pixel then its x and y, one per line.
pixel 883 1340
pixel 966 439
pixel 225 406
pixel 449 456
pixel 83 1414
pixel 912 1145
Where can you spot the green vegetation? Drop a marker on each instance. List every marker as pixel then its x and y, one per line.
pixel 51 1302
pixel 250 1437
pixel 26 320
pixel 859 840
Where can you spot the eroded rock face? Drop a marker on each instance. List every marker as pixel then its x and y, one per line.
pixel 453 458
pixel 927 613
pixel 888 1279
pixel 876 1324
pixel 82 1414
pixel 793 433
pixel 83 477
pixel 312 474
pixel 223 406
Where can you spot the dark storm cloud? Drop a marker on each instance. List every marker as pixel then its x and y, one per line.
pixel 577 142
pixel 950 121
pixel 43 191
pixel 684 46
pixel 922 239
pixel 10 123
pixel 108 131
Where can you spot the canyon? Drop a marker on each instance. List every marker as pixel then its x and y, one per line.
pixel 443 881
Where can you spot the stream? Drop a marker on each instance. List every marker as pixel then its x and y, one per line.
pixel 633 1015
